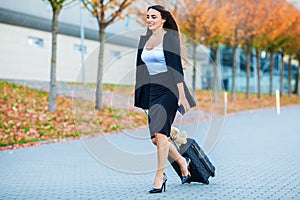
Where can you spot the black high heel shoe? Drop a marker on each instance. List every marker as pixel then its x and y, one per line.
pixel 187 178
pixel 159 190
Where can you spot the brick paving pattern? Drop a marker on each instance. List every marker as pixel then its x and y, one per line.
pixel 257 157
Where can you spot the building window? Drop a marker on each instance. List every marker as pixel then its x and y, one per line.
pixel 36 42
pixel 115 54
pixel 79 49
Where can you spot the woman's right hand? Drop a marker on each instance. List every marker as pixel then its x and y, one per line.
pixel 184 102
pixel 182 99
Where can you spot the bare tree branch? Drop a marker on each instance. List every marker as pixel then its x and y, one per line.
pixel 86 5
pixel 121 8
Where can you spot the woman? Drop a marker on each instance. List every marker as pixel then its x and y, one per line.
pixel 159 88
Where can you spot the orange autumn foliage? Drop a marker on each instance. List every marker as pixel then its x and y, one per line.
pixel 258 23
pixel 206 22
pixel 293 33
pixel 106 13
pixel 275 31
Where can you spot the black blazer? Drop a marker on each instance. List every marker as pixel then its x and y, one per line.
pixel 171 48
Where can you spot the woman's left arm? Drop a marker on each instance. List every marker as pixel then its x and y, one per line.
pixel 178 73
pixel 182 100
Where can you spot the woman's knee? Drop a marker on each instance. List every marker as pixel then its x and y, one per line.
pixel 160 138
pixel 154 141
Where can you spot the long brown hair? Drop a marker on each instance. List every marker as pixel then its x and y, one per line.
pixel 169 24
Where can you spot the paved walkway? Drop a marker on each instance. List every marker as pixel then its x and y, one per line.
pixel 257 157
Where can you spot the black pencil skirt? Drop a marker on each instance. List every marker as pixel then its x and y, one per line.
pixel 163 104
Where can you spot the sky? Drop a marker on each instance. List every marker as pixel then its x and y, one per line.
pixel 296 2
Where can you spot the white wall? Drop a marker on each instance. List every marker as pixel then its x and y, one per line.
pixel 69 14
pixel 19 60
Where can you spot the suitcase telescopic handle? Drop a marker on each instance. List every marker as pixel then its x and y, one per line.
pixel 174 142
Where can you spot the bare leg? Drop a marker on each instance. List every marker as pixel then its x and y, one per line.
pixel 176 156
pixel 162 145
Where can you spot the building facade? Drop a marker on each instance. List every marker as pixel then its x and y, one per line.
pixel 25 50
pixel 25 30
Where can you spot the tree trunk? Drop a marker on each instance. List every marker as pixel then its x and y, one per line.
pixel 271 73
pixel 298 77
pixel 298 81
pixel 290 76
pixel 52 86
pixel 248 55
pixel 233 73
pixel 99 92
pixel 215 90
pixel 258 73
pixel 194 56
pixel 281 74
pixel 194 67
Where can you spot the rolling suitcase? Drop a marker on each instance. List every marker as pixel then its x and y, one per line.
pixel 200 167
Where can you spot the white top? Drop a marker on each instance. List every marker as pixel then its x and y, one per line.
pixel 154 59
